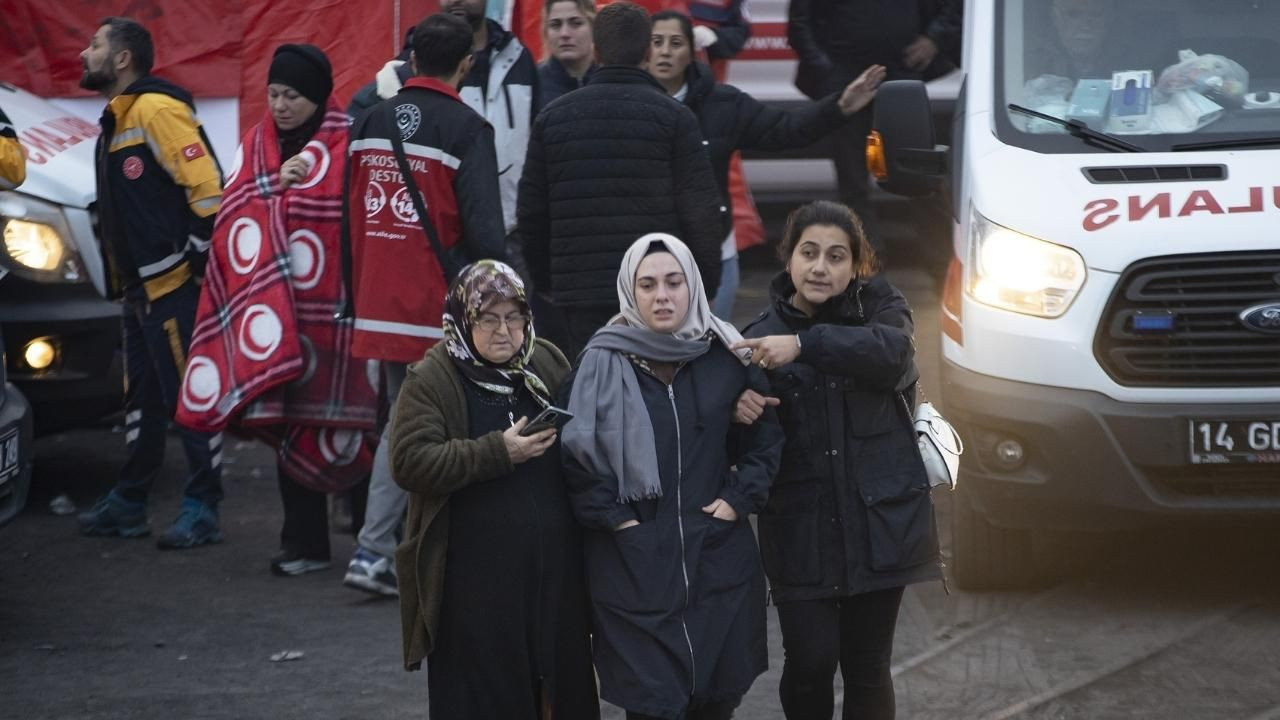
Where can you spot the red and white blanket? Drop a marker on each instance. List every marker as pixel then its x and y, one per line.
pixel 267 354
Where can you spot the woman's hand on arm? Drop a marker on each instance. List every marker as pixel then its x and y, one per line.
pixel 862 90
pixel 522 447
pixel 751 405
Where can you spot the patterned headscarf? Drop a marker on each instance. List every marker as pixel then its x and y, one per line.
pixel 480 284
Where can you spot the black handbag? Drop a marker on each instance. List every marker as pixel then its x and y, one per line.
pixel 450 261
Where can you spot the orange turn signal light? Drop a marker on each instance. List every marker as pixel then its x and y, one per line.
pixel 876 163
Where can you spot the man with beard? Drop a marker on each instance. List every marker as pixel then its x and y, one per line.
pixel 159 188
pixel 13 161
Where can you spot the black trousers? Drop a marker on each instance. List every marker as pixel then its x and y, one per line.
pixel 306 519
pixel 854 632
pixel 722 710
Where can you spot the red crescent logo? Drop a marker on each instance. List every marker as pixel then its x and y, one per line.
pixel 260 332
pixel 317 156
pixel 306 259
pixel 202 384
pixel 244 245
pixel 339 446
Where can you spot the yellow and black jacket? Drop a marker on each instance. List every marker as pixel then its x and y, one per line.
pixel 13 161
pixel 159 188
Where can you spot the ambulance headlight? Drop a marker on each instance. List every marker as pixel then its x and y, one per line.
pixel 34 241
pixel 1019 273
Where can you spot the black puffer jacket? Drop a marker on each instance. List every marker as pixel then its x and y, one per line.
pixel 850 510
pixel 607 164
pixel 678 601
pixel 732 120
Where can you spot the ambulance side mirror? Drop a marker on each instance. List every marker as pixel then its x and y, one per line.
pixel 902 152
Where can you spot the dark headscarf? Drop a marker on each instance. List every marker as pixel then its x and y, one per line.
pixel 304 68
pixel 478 285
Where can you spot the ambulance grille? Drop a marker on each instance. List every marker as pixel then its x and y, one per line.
pixel 1174 322
pixel 1156 173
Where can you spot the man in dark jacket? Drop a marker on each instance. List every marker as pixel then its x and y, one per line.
pixel 398 283
pixel 159 188
pixel 836 40
pixel 607 164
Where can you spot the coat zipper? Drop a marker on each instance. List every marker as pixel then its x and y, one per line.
pixel 684 567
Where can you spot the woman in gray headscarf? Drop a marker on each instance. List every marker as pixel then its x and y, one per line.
pixel 663 481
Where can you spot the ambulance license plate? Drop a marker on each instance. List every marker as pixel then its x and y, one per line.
pixel 1216 442
pixel 8 454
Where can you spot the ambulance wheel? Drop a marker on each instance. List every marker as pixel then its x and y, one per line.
pixel 988 557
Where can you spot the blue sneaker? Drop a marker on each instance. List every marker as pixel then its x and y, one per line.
pixel 113 515
pixel 372 573
pixel 197 524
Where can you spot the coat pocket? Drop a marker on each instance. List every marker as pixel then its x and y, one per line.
pixel 629 569
pixel 791 535
pixel 902 530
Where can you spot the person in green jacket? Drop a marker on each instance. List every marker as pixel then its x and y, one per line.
pixel 491 581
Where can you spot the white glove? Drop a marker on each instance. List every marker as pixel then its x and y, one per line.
pixel 703 37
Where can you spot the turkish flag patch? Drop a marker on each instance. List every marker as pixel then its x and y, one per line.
pixel 193 151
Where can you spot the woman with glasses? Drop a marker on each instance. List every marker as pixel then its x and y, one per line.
pixel 491 586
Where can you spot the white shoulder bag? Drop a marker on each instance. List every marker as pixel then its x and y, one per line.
pixel 940 444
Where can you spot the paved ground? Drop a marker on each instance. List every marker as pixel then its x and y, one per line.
pixel 1179 624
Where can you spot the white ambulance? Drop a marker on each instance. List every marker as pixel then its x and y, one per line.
pixel 1111 317
pixel 61 336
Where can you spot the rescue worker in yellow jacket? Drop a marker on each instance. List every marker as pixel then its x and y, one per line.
pixel 159 188
pixel 13 161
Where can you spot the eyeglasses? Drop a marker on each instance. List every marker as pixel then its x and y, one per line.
pixel 516 322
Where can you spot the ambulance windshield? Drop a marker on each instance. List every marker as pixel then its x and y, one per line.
pixel 1160 73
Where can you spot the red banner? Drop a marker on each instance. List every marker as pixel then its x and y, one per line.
pixel 213 49
pixel 197 45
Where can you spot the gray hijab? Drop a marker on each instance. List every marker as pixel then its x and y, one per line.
pixel 611 434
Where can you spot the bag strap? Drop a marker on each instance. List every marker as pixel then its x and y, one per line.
pixel 411 184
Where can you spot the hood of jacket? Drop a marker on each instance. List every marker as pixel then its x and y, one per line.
pixel 119 105
pixel 391 78
pixel 499 37
pixel 701 82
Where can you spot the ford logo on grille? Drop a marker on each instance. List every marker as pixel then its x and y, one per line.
pixel 1262 318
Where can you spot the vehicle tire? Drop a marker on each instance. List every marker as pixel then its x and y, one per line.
pixel 987 557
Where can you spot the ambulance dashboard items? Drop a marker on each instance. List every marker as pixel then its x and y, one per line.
pixel 1188 96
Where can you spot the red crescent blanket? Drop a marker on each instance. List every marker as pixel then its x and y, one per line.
pixel 267 354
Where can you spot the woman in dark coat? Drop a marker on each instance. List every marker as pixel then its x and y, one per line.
pixel 732 120
pixel 491 568
pixel 849 520
pixel 566 33
pixel 663 482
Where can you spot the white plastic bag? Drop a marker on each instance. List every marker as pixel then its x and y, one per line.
pixel 1218 78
